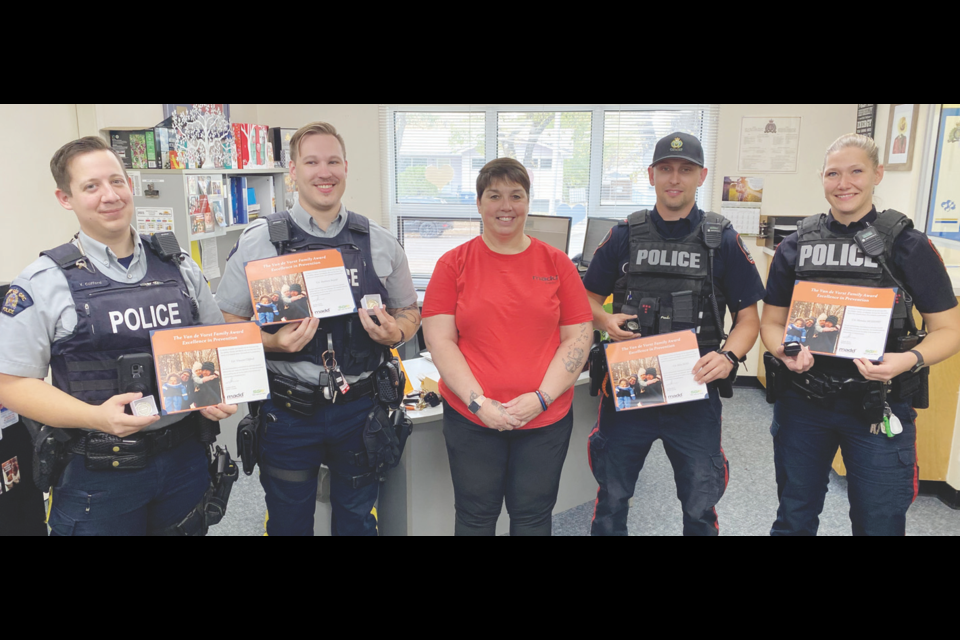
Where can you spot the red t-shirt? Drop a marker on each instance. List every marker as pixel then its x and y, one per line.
pixel 509 310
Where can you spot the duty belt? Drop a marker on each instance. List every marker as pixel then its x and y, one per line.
pixel 304 398
pixel 821 386
pixel 103 451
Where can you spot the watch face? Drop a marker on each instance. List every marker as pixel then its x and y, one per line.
pixel 473 406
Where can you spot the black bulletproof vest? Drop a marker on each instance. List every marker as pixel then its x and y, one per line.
pixel 825 256
pixel 355 351
pixel 114 319
pixel 664 271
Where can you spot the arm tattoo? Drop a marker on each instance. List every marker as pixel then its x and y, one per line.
pixel 574 359
pixel 498 407
pixel 410 313
pixel 546 397
pixel 473 395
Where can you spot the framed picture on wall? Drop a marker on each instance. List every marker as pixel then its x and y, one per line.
pixel 901 136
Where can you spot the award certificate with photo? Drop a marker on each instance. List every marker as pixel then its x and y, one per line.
pixel 205 365
pixel 294 286
pixel 656 370
pixel 840 320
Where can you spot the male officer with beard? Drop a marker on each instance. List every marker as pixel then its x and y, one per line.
pixel 300 427
pixel 673 268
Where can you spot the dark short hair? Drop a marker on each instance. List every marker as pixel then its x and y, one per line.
pixel 314 128
pixel 60 163
pixel 506 169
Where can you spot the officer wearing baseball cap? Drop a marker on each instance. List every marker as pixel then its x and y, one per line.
pixel 663 296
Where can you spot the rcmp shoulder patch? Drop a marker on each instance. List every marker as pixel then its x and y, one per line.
pixel 15 301
pixel 936 253
pixel 743 247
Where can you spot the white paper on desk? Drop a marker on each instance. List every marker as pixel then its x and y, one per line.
pixel 329 292
pixel 244 373
pixel 210 258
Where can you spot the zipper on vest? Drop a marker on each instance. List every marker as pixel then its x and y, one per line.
pixel 152 283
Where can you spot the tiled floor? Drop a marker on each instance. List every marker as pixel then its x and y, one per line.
pixel 748 507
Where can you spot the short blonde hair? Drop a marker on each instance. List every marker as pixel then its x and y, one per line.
pixel 854 140
pixel 314 128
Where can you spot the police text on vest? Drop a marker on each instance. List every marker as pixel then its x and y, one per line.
pixel 159 316
pixel 667 258
pixel 825 255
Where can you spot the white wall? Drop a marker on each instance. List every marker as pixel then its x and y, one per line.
pixel 784 194
pixel 32 220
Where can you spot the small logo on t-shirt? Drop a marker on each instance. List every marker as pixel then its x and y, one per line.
pixel 546 278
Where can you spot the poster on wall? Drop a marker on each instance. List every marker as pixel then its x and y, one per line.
pixel 769 144
pixel 153 219
pixel 901 136
pixel 943 216
pixel 866 119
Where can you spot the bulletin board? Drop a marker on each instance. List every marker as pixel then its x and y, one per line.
pixel 943 213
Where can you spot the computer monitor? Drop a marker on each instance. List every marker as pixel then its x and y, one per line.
pixel 553 230
pixel 597 229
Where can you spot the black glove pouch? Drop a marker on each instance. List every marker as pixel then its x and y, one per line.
pixel 248 442
pixel 380 439
pixel 105 451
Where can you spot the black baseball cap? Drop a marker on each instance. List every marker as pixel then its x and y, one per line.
pixel 678 145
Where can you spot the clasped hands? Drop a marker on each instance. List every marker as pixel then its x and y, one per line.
pixel 510 415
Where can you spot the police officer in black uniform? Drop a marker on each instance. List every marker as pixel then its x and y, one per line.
pixel 79 309
pixel 670 269
pixel 826 402
pixel 307 422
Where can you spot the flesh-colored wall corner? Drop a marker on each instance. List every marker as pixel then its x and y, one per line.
pixel 32 219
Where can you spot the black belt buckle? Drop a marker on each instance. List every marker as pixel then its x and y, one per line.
pixel 105 451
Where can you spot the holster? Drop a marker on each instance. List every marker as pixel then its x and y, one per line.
pixel 51 453
pixel 597 362
pixel 774 368
pixel 247 438
pixel 213 505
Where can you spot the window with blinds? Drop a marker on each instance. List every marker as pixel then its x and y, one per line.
pixel 583 160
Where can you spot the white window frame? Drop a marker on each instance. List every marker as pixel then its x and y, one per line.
pixel 393 210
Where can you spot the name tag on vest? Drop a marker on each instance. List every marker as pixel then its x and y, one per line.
pixel 834 255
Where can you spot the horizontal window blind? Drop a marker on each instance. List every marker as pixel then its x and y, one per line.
pixel 583 160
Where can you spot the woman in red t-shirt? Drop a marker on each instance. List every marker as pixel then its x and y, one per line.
pixel 509 327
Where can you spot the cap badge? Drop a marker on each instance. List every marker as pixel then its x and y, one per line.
pixel 676 144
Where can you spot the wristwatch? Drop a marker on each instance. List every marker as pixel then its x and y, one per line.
pixel 920 364
pixel 732 357
pixel 403 340
pixel 476 403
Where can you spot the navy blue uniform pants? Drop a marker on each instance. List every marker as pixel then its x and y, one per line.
pixel 882 472
pixel 690 432
pixel 298 443
pixel 127 502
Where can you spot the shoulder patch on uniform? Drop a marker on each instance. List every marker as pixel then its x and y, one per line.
pixel 937 253
pixel 606 238
pixel 16 301
pixel 234 250
pixel 743 247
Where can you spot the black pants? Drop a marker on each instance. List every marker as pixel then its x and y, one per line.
pixel 489 466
